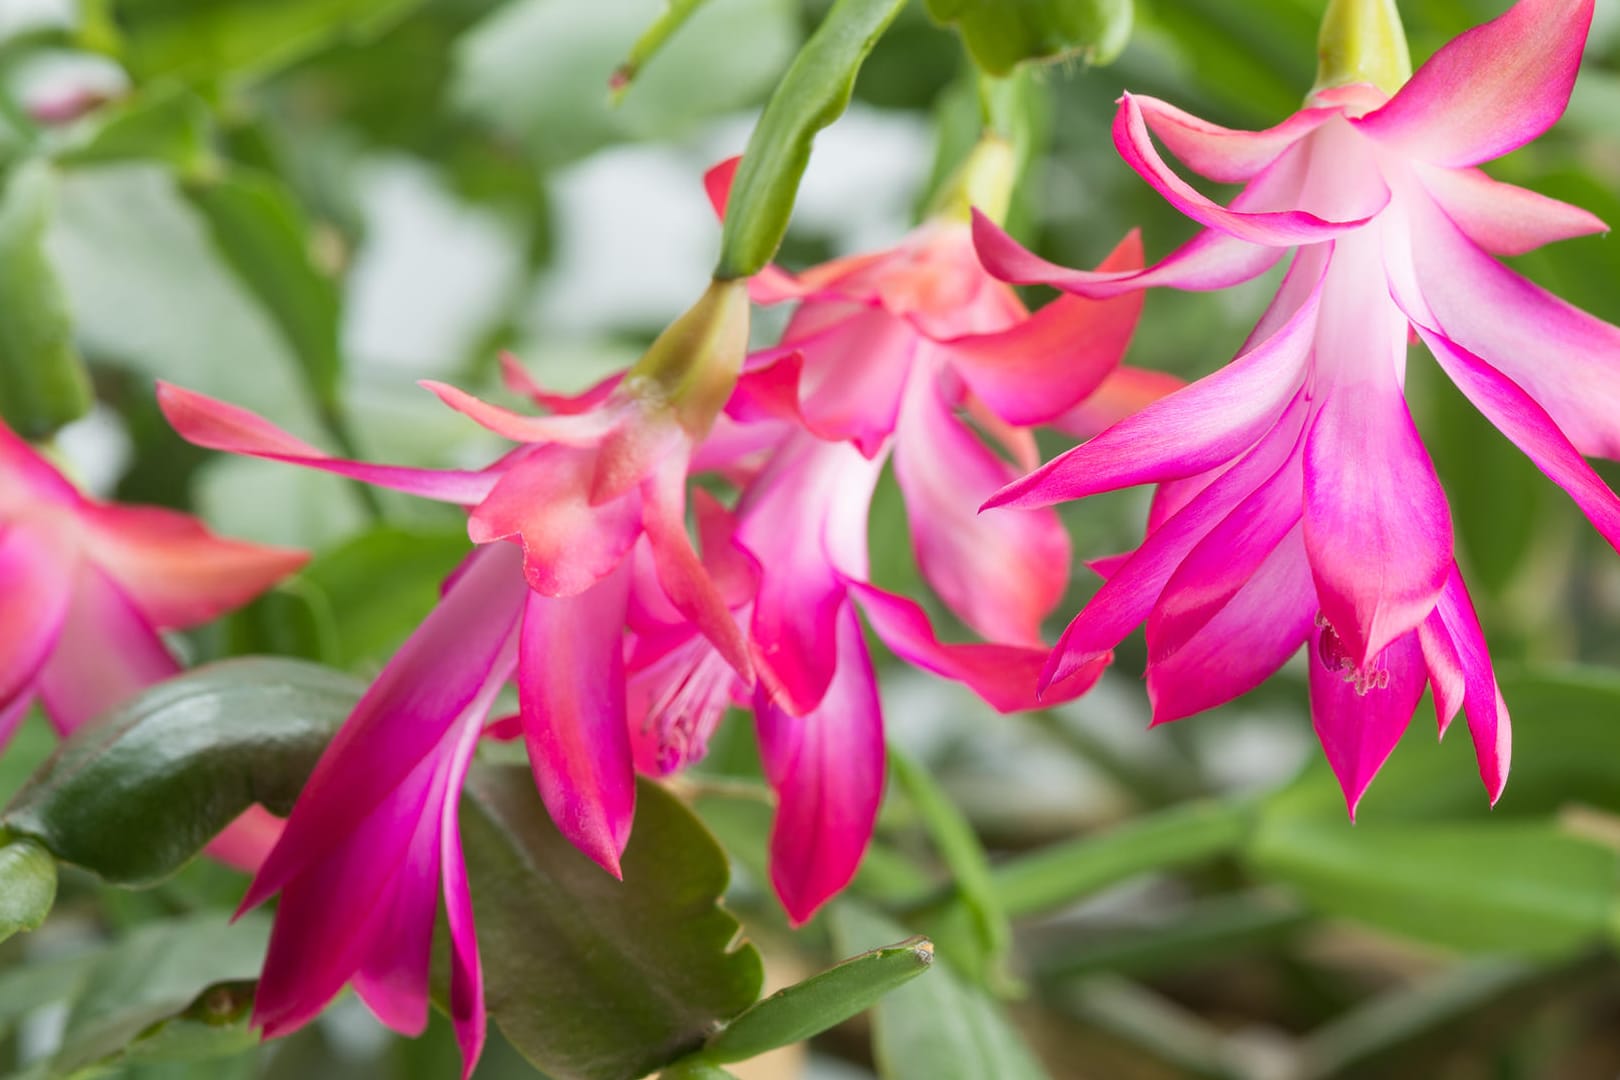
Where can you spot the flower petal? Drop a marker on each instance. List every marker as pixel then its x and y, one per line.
pixel 217 426
pixel 1194 429
pixel 1005 676
pixel 804 521
pixel 568 543
pixel 1222 154
pixel 516 378
pixel 174 570
pixel 1047 363
pixel 1125 392
pixel 1211 260
pixel 827 768
pixel 1360 719
pixel 106 653
pixel 1482 698
pixel 584 428
pixel 1489 90
pixel 1274 228
pixel 944 472
pixel 571 692
pixel 853 377
pixel 1254 632
pixel 36 584
pixel 445 675
pixel 1502 218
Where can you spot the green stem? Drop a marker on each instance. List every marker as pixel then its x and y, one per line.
pixel 649 43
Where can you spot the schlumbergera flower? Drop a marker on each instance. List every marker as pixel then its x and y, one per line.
pixel 1296 501
pixel 897 354
pixel 595 491
pixel 86 588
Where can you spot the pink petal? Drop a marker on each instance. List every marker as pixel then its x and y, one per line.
pixel 1256 630
pixel 1561 356
pixel 854 376
pixel 36 584
pixel 1001 572
pixel 804 521
pixel 571 690
pixel 177 572
pixel 30 478
pixel 1125 392
pixel 1275 228
pixel 685 580
pixel 1132 590
pixel 218 426
pixel 827 768
pixel 1501 218
pixel 245 843
pixel 544 500
pixel 1516 415
pixel 446 675
pixel 1359 719
pixel 1194 429
pixel 516 379
pixel 1222 154
pixel 466 1004
pixel 1489 90
pixel 1047 363
pixel 106 653
pixel 1482 698
pixel 1210 260
pixel 1005 676
pixel 585 428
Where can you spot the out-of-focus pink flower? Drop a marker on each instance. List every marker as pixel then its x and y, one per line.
pixel 1297 503
pixel 86 587
pixel 901 354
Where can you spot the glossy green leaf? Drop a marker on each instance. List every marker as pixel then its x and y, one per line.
pixel 797 1012
pixel 811 95
pixel 43 383
pixel 938 1028
pixel 589 977
pixel 144 788
pixel 1001 35
pixel 1519 887
pixel 27 886
pixel 260 230
pixel 205 40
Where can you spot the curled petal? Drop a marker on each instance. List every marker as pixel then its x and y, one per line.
pixel 571 692
pixel 827 769
pixel 1489 90
pixel 1361 712
pixel 517 379
pixel 217 426
pixel 1455 620
pixel 1005 676
pixel 1222 154
pixel 575 429
pixel 1274 228
pixel 1047 363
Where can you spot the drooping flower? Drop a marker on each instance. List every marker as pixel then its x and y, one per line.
pixel 86 589
pixel 561 521
pixel 899 354
pixel 1296 501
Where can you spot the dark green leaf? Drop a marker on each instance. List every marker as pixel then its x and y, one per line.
pixel 27 886
pixel 204 40
pixel 260 230
pixel 1002 35
pixel 797 1012
pixel 938 1028
pixel 592 978
pixel 811 95
pixel 137 793
pixel 43 384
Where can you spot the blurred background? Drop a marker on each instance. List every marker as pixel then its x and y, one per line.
pixel 303 206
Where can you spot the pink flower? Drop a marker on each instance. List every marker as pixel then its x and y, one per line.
pixel 889 354
pixel 86 588
pixel 1296 502
pixel 597 489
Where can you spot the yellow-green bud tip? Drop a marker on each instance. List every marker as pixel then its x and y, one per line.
pixel 693 365
pixel 984 181
pixel 1362 41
